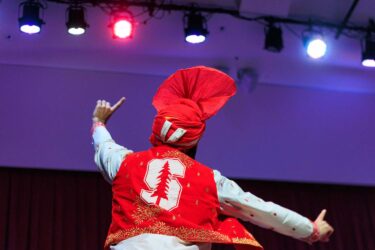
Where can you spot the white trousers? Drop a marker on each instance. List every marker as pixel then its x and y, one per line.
pixel 158 242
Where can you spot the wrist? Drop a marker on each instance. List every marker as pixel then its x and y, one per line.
pixel 315 235
pixel 96 124
pixel 97 119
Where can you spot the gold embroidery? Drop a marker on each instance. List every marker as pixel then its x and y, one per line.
pixel 246 241
pixel 187 234
pixel 149 214
pixel 144 212
pixel 181 156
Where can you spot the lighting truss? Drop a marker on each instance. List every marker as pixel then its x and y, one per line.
pixel 152 6
pixel 157 9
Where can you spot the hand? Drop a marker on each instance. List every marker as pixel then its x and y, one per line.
pixel 324 229
pixel 103 110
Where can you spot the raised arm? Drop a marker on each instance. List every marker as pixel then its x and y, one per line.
pixel 248 207
pixel 108 154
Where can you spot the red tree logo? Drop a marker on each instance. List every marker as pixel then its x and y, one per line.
pixel 163 184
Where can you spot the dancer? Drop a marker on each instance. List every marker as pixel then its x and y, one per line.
pixel 163 198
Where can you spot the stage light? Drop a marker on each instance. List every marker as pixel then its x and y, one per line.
pixel 30 22
pixel 368 52
pixel 76 22
pixel 274 38
pixel 314 43
pixel 122 25
pixel 195 26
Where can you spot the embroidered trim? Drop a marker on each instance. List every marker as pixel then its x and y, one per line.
pixel 186 160
pixel 186 234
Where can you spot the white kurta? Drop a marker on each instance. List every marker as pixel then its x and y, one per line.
pixel 233 201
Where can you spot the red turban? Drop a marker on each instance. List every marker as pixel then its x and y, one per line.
pixel 185 101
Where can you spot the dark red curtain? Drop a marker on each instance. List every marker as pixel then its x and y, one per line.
pixel 45 209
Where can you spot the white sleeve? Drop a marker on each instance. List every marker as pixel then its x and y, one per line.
pixel 248 207
pixel 108 154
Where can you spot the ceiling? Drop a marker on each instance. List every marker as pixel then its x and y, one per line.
pixel 159 48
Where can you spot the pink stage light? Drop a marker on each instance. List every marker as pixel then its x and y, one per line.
pixel 122 28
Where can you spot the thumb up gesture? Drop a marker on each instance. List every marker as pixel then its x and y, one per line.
pixel 324 229
pixel 103 110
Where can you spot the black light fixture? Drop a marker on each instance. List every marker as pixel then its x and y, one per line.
pixel 368 46
pixel 76 22
pixel 368 52
pixel 195 26
pixel 274 38
pixel 30 22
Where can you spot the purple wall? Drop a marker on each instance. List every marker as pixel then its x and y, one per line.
pixel 277 133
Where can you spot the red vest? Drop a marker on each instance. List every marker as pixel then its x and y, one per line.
pixel 163 191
